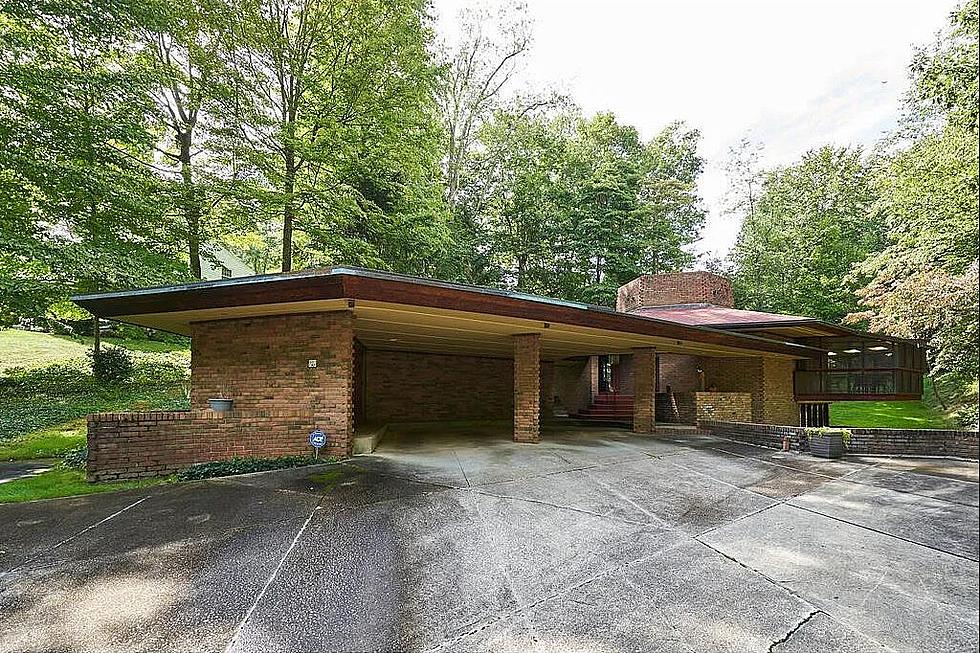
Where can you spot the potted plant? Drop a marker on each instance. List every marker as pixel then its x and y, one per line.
pixel 221 404
pixel 827 442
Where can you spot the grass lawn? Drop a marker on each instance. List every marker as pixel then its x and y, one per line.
pixel 62 483
pixel 44 417
pixel 51 442
pixel 887 414
pixel 32 349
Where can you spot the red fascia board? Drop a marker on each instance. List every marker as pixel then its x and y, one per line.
pixel 398 289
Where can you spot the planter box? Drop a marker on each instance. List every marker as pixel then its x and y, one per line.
pixel 827 446
pixel 221 405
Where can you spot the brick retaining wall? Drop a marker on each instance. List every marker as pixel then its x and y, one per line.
pixel 890 442
pixel 140 445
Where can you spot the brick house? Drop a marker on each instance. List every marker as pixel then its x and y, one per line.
pixel 345 350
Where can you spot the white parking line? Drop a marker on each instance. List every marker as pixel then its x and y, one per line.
pixel 268 583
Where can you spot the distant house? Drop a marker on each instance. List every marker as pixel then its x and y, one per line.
pixel 223 264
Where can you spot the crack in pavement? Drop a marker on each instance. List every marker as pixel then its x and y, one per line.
pixel 481 626
pixel 793 630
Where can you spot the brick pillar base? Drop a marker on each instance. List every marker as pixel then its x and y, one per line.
pixel 644 389
pixel 527 391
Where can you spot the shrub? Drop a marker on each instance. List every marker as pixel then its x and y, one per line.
pixel 244 466
pixel 66 378
pixel 111 364
pixel 161 369
pixel 76 458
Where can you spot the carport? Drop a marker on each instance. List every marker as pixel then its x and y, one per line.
pixel 340 348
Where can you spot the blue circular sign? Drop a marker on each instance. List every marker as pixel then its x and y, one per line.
pixel 318 438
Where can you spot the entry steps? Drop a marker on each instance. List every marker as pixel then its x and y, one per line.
pixel 608 408
pixel 614 409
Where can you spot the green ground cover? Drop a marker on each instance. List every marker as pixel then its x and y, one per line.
pixel 47 388
pixel 60 482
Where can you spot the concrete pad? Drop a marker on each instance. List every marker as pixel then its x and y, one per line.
pixel 926 485
pixel 581 543
pixel 963 470
pixel 344 486
pixel 771 479
pixel 906 596
pixel 685 598
pixel 646 491
pixel 406 575
pixel 950 527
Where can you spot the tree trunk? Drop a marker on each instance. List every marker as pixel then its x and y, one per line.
pixel 288 210
pixel 97 333
pixel 192 210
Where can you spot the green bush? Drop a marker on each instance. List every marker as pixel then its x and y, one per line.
pixel 244 466
pixel 161 369
pixel 76 458
pixel 66 378
pixel 111 364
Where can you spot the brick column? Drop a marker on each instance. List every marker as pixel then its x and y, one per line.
pixel 644 389
pixel 527 387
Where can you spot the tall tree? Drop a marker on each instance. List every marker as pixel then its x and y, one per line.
pixel 633 206
pixel 745 176
pixel 575 207
pixel 476 73
pixel 333 111
pixel 178 44
pixel 924 283
pixel 813 221
pixel 79 203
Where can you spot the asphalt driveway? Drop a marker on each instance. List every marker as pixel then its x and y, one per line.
pixel 460 540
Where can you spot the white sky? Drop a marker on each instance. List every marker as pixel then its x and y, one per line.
pixel 791 74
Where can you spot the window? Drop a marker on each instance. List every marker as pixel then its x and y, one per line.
pixel 225 272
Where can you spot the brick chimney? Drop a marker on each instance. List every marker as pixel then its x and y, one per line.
pixel 678 288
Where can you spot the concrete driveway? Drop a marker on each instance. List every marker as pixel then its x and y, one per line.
pixel 459 540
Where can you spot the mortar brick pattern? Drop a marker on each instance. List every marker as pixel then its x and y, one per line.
pixel 680 288
pixel 527 387
pixel 879 442
pixel 261 363
pixel 723 406
pixel 644 390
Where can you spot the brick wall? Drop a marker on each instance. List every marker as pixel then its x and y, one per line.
pixel 572 383
pixel 676 408
pixel 262 363
pixel 415 387
pixel 140 445
pixel 644 397
pixel 527 387
pixel 768 380
pixel 679 288
pixel 679 371
pixel 723 406
pixel 887 442
pixel 778 404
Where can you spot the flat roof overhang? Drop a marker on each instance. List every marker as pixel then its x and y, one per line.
pixel 400 312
